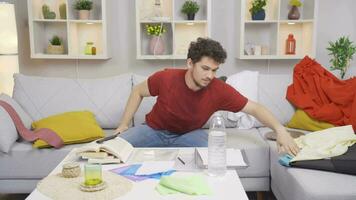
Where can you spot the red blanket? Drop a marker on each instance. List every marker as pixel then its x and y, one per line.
pixel 322 95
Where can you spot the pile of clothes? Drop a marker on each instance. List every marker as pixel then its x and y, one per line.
pixel 325 98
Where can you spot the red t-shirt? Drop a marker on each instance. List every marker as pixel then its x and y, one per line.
pixel 179 109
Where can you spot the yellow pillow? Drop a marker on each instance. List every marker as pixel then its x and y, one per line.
pixel 72 127
pixel 301 120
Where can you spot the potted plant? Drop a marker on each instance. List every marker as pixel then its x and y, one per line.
pixel 55 46
pixel 84 7
pixel 342 51
pixel 190 8
pixel 294 13
pixel 156 45
pixel 257 10
pixel 47 13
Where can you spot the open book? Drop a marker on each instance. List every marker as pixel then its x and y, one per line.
pixel 112 151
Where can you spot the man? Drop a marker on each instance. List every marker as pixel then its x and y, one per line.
pixel 186 98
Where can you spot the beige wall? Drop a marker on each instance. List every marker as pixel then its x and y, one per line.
pixel 335 18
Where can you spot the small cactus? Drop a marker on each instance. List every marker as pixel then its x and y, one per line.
pixel 47 14
pixel 45 10
pixel 63 11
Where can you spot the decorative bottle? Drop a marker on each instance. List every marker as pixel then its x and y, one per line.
pixel 290 45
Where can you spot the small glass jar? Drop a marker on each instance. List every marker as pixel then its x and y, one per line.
pixel 93 174
pixel 88 48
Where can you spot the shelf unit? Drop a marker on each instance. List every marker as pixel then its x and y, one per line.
pixel 180 32
pixel 74 33
pixel 271 33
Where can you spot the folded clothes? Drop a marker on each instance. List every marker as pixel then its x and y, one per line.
pixel 129 172
pixel 192 185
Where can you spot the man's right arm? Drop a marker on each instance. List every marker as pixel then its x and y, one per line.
pixel 138 92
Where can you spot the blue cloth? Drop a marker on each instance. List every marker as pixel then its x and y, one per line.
pixel 130 171
pixel 144 136
pixel 285 160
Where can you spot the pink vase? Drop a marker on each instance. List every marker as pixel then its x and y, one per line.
pixel 156 45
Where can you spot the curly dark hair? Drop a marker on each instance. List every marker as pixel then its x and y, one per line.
pixel 206 47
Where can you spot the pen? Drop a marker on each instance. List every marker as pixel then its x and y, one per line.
pixel 106 139
pixel 181 160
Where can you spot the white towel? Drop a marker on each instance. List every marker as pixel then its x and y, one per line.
pixel 246 82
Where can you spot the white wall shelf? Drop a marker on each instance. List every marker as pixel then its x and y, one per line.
pixel 74 33
pixel 180 31
pixel 271 33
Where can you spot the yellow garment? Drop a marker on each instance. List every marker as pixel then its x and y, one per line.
pixel 325 143
pixel 72 127
pixel 301 120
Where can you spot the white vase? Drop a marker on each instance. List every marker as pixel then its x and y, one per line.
pixel 84 14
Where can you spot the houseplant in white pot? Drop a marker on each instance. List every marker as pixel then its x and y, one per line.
pixel 83 7
pixel 55 46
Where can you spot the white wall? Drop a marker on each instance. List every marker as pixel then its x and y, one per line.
pixel 335 18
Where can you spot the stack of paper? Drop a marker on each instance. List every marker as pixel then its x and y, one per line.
pixel 234 157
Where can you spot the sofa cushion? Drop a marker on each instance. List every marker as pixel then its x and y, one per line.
pixel 296 183
pixel 26 162
pixel 42 96
pixel 246 82
pixel 272 94
pixel 301 120
pixel 8 130
pixel 72 127
pixel 146 104
pixel 256 149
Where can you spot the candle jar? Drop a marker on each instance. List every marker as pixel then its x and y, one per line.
pixel 71 170
pixel 93 175
pixel 88 48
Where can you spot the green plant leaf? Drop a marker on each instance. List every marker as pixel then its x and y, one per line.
pixel 190 7
pixel 342 51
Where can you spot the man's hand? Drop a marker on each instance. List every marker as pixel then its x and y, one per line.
pixel 120 129
pixel 285 143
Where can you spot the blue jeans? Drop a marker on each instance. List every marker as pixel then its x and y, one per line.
pixel 144 136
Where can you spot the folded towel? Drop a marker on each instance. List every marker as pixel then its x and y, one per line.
pixel 192 185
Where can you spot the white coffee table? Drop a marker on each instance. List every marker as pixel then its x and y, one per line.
pixel 228 187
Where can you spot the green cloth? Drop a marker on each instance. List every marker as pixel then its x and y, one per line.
pixel 192 185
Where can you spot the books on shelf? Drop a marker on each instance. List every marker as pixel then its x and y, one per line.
pixel 116 150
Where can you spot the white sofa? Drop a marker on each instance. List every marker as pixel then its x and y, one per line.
pixel 40 97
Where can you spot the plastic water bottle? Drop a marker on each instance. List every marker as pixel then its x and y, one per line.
pixel 217 146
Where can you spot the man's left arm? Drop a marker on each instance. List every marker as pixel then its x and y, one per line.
pixel 285 142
